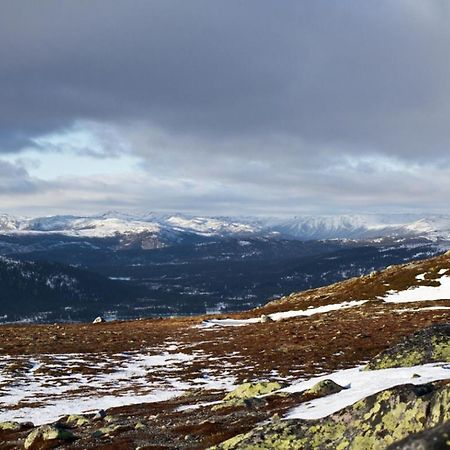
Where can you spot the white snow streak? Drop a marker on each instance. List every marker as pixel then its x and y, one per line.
pixel 361 384
pixel 280 315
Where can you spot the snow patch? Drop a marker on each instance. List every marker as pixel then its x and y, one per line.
pixel 361 384
pixel 41 389
pixel 420 293
pixel 280 315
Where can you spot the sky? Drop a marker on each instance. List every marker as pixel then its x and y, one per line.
pixel 233 107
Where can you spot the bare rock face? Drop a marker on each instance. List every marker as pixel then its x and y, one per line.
pixel 47 436
pixel 425 346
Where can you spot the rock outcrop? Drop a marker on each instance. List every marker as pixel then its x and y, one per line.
pixel 323 388
pixel 425 346
pixel 248 393
pixel 437 438
pixel 370 424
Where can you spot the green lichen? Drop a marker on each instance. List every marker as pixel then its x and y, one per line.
pixel 10 426
pixel 405 359
pixel 109 430
pixel 426 346
pixel 441 349
pixel 370 424
pixel 245 393
pixel 250 390
pixel 76 420
pixel 323 388
pixel 47 433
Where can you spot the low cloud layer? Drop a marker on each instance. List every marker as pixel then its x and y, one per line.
pixel 234 107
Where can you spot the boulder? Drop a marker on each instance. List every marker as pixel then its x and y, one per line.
pixel 11 426
pixel 47 436
pixel 110 430
pixel 265 319
pixel 323 388
pixel 373 423
pixel 76 420
pixel 249 390
pixel 426 346
pixel 99 319
pixel 247 394
pixel 100 415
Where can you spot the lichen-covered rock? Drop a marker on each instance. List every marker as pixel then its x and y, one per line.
pixel 10 426
pixel 45 436
pixel 76 420
pixel 323 388
pixel 246 394
pixel 370 424
pixel 249 390
pixel 110 430
pixel 426 346
pixel 437 438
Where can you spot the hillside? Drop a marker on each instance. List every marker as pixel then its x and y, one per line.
pixel 195 273
pixel 163 382
pixel 43 291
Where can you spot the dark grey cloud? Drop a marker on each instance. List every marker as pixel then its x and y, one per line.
pixel 375 76
pixel 312 104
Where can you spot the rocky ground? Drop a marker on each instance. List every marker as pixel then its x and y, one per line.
pixel 165 384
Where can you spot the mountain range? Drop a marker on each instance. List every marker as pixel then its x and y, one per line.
pixel 129 266
pixel 171 226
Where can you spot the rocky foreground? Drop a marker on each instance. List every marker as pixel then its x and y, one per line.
pixel 361 364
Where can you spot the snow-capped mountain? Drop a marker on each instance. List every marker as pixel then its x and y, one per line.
pixel 300 227
pixel 357 226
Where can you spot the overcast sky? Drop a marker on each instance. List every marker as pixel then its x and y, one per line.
pixel 224 107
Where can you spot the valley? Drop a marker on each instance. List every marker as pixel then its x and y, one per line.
pixel 127 268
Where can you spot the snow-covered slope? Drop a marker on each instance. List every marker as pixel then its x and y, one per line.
pixel 300 227
pixel 100 226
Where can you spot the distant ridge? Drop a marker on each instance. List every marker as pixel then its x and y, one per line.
pixel 113 223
